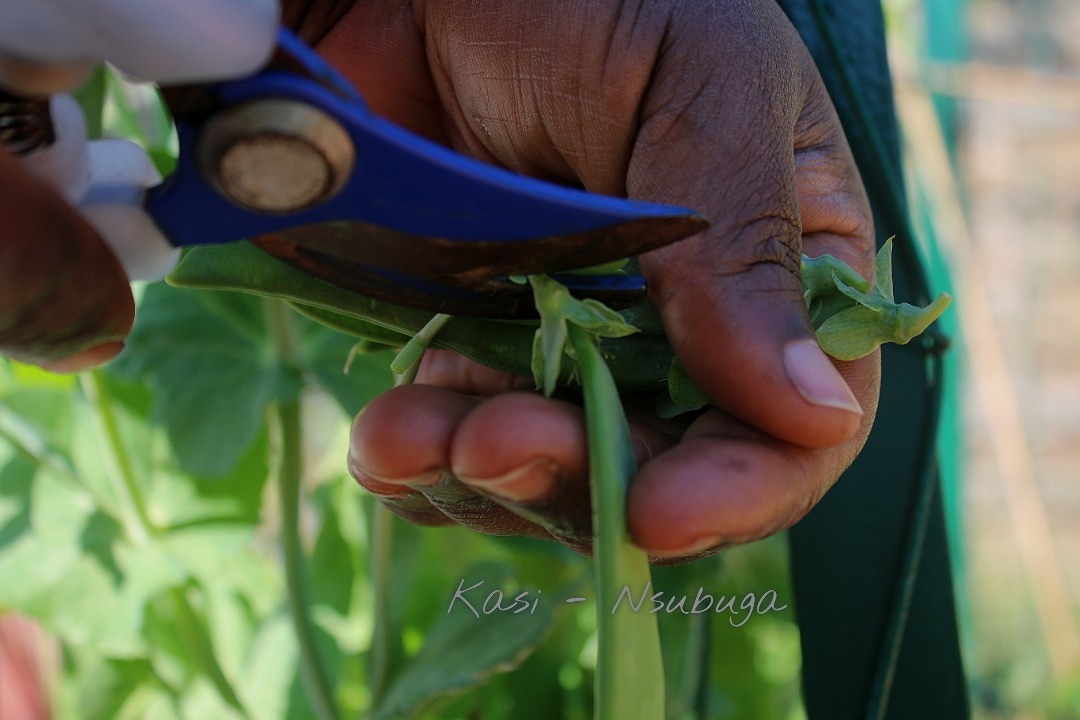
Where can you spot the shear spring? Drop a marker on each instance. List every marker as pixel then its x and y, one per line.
pixel 25 124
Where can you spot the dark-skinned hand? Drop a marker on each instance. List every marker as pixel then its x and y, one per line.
pixel 712 105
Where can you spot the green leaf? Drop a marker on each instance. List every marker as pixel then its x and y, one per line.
pixel 462 651
pixel 16 478
pixel 201 700
pixel 883 272
pixel 549 349
pixel 852 333
pixel 177 501
pixel 40 419
pixel 597 318
pixel 684 395
pixel 104 688
pixel 207 552
pixel 558 308
pixel 818 276
pixel 270 669
pixel 853 319
pixel 60 567
pixel 353 380
pixel 208 357
pixel 859 330
pixel 208 360
pixel 71 594
pixel 823 297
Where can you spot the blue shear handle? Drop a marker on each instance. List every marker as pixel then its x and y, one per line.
pixel 399 180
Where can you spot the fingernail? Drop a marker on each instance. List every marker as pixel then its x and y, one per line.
pixel 526 484
pixel 816 379
pixel 358 469
pixel 696 547
pixel 423 480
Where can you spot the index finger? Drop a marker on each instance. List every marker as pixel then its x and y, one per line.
pixel 62 292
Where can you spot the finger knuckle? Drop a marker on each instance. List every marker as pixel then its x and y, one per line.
pixel 771 242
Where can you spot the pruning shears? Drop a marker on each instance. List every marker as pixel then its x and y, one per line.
pixel 291 158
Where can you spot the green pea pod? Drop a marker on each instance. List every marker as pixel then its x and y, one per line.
pixel 851 319
pixel 629 664
pixel 639 361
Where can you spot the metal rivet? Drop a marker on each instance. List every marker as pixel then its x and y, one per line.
pixel 276 156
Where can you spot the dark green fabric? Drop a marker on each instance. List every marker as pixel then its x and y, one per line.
pixel 870 564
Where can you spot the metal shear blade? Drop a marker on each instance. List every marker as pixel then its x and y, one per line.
pixel 406 269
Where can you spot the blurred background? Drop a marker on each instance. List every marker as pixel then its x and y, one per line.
pixel 989 97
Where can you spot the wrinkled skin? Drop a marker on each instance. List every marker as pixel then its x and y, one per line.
pixel 713 105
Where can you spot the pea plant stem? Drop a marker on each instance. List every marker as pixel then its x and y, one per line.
pixel 289 476
pixel 139 525
pixel 385 646
pixel 139 528
pixel 407 362
pixel 383 642
pixel 629 665
pixel 24 440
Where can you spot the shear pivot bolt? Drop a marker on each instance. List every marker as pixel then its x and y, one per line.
pixel 276 156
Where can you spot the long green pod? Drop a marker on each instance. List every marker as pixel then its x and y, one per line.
pixel 640 362
pixel 629 664
pixel 851 317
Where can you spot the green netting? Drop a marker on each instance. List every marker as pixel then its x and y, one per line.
pixel 871 564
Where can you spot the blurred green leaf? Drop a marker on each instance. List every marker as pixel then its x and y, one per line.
pixel 462 651
pixel 352 380
pixel 71 594
pixel 16 477
pixel 207 358
pixel 177 500
pixel 111 689
pixel 39 418
pixel 91 98
pixel 270 670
